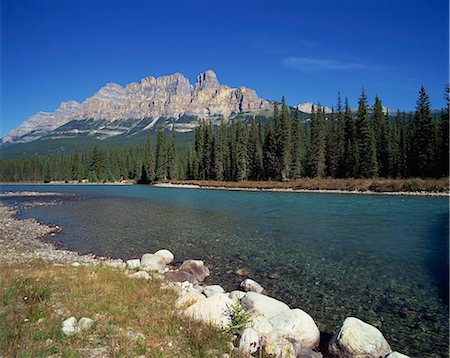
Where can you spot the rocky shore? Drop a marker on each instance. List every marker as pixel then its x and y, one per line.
pixel 260 324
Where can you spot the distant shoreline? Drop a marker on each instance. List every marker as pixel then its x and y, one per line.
pixel 392 187
pixel 290 190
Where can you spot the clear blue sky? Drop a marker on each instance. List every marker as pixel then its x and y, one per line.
pixel 55 50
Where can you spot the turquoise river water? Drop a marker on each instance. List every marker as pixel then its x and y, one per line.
pixel 383 259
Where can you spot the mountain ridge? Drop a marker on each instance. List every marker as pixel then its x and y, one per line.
pixel 170 97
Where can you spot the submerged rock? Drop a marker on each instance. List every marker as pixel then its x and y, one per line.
pixel 213 310
pixel 166 255
pixel 251 285
pixel 357 339
pixel 249 341
pixel 297 325
pixel 265 305
pixel 152 262
pixel 196 268
pixel 396 355
pixel 178 276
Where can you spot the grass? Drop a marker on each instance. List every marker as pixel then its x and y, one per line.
pixel 132 317
pixel 375 185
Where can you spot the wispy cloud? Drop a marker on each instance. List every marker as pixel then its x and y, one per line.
pixel 307 64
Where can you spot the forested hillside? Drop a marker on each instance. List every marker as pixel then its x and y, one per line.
pixel 341 144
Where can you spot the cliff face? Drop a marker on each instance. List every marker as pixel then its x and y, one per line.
pixel 153 98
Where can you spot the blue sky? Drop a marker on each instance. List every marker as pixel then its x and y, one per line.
pixel 55 50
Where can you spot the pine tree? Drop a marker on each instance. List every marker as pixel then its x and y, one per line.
pixel 241 160
pixel 148 166
pixel 171 156
pixel 368 167
pixel 220 152
pixel 422 153
pixel 318 142
pixel 255 155
pixel 283 135
pixel 161 155
pixel 270 158
pixel 381 132
pixel 297 147
pixel 444 134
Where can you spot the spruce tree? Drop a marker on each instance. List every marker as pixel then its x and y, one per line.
pixel 241 159
pixel 381 132
pixel 297 147
pixel 148 166
pixel 283 135
pixel 368 167
pixel 318 142
pixel 171 156
pixel 421 150
pixel 161 155
pixel 255 155
pixel 270 158
pixel 444 134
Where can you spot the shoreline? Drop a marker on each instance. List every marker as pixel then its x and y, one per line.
pixel 32 243
pixel 231 186
pixel 291 190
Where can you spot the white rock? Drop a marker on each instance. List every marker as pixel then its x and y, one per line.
pixel 166 255
pixel 85 323
pixel 357 339
pixel 133 264
pixel 213 310
pixel 118 263
pixel 396 355
pixel 279 347
pixel 261 325
pixel 69 326
pixel 297 325
pixel 141 275
pixel 76 264
pixel 249 341
pixel 265 305
pixel 212 290
pixel 69 322
pixel 236 295
pixel 251 285
pixel 151 262
pixel 70 331
pixel 188 299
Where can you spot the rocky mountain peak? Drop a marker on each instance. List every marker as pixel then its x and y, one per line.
pixel 207 81
pixel 166 97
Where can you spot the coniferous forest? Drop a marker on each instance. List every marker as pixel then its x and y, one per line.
pixel 367 143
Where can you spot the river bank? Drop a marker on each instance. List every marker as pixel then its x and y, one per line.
pixel 331 186
pixel 22 244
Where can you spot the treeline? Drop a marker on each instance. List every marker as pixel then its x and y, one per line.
pixel 341 144
pixel 138 163
pixel 337 145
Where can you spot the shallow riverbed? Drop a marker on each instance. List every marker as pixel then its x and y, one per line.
pixel 383 259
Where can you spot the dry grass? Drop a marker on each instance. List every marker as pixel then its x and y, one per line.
pixel 376 185
pixel 30 325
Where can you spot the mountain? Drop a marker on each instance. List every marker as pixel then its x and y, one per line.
pixel 307 107
pixel 116 111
